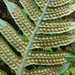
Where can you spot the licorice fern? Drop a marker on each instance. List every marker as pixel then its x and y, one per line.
pixel 39 31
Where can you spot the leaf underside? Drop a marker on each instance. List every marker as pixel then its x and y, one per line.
pixel 39 32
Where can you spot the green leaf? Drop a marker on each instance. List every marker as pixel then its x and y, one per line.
pixel 20 18
pixel 24 37
pixel 24 11
pixel 58 3
pixel 59 13
pixel 37 17
pixel 69 71
pixel 66 72
pixel 9 57
pixel 51 41
pixel 63 68
pixel 48 58
pixel 12 37
pixel 72 70
pixel 48 70
pixel 47 49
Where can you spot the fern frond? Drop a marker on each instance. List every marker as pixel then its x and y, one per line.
pixel 20 18
pixel 59 13
pixel 8 56
pixel 12 36
pixel 38 29
pixel 55 27
pixel 46 16
pixel 40 32
pixel 41 41
pixel 46 58
pixel 55 70
pixel 58 3
pixel 33 10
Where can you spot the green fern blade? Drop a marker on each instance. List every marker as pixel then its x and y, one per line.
pixel 12 37
pixel 59 9
pixel 47 15
pixel 37 10
pixel 21 19
pixel 46 58
pixel 51 41
pixel 55 15
pixel 56 3
pixel 63 68
pixel 2 72
pixel 42 63
pixel 40 3
pixel 41 70
pixel 34 14
pixel 8 51
pixel 55 27
pixel 9 57
pixel 56 70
